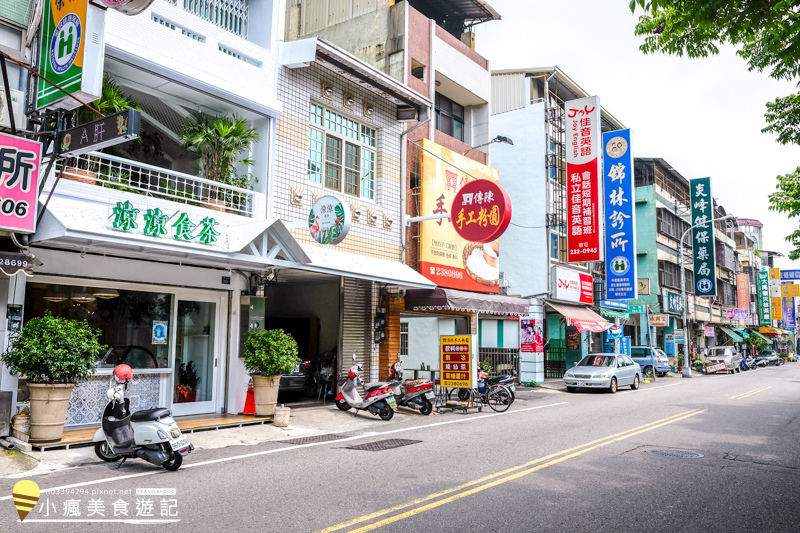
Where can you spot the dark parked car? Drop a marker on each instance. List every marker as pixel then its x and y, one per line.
pixel 294 382
pixel 134 356
pixel 770 357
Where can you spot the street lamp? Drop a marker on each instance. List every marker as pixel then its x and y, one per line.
pixel 687 371
pixel 498 139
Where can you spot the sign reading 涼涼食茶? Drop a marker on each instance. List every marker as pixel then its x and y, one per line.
pixel 765 317
pixel 447 258
pixel 72 52
pixel 456 361
pixel 154 222
pixel 481 211
pixel 329 220
pixel 620 216
pixel 19 183
pixel 705 262
pixel 583 149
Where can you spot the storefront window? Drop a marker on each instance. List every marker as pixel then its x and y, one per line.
pixel 134 324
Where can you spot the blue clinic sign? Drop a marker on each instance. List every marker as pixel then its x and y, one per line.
pixel 625 346
pixel 622 306
pixel 790 274
pixel 620 216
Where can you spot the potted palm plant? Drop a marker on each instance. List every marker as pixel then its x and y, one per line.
pixel 217 142
pixel 188 380
pixel 52 353
pixel 268 354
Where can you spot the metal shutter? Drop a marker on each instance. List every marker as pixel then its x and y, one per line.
pixel 357 325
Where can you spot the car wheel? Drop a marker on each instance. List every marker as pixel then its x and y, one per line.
pixel 570 389
pixel 648 371
pixel 613 388
pixel 662 374
pixel 737 370
pixel 635 384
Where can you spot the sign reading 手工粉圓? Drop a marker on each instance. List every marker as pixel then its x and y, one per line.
pixel 705 263
pixel 620 216
pixel 155 223
pixel 582 128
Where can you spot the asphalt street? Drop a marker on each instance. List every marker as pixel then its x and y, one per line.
pixel 711 453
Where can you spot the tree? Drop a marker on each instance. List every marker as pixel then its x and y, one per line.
pixel 765 33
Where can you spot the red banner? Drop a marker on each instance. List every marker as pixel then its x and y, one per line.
pixel 743 290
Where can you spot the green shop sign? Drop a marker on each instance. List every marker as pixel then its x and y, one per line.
pixel 159 224
pixel 705 263
pixel 673 302
pixel 71 53
pixel 764 305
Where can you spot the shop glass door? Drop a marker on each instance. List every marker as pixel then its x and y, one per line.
pixel 196 365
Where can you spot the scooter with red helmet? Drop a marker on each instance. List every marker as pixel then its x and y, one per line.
pixel 151 434
pixel 379 401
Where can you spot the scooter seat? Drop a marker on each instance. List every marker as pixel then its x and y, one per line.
pixel 150 414
pixel 374 386
pixel 414 382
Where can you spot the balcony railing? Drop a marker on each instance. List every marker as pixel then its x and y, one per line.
pixel 106 170
pixel 230 15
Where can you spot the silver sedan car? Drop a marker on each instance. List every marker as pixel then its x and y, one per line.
pixel 603 371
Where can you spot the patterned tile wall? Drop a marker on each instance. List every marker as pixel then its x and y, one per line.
pixel 297 89
pixel 89 397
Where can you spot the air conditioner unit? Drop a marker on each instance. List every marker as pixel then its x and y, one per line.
pixel 18 105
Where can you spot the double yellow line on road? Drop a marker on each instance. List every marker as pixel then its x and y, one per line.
pixel 749 393
pixel 498 478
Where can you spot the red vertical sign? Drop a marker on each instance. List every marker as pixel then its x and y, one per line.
pixel 743 290
pixel 583 180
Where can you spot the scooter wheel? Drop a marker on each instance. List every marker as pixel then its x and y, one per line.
pixel 343 405
pixel 103 451
pixel 427 407
pixel 386 413
pixel 174 463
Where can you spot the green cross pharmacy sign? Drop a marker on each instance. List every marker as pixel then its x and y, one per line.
pixel 159 224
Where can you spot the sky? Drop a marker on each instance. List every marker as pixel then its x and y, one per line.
pixel 703 116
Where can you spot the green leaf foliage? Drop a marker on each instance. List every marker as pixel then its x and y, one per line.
pixel 270 352
pixel 787 200
pixel 49 349
pixel 217 141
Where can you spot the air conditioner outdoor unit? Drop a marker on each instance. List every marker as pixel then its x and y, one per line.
pixel 18 105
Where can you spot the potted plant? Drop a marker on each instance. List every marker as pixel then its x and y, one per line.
pixel 53 354
pixel 188 380
pixel 217 142
pixel 268 354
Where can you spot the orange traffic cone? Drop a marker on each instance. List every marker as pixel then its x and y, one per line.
pixel 250 402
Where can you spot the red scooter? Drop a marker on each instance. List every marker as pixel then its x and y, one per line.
pixel 414 393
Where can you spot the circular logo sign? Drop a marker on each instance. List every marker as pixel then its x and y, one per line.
pixel 481 211
pixel 329 220
pixel 616 147
pixel 65 43
pixel 704 285
pixel 620 265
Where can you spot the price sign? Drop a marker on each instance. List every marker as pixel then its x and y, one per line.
pixel 456 361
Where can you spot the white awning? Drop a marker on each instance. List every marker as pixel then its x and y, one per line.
pixel 332 261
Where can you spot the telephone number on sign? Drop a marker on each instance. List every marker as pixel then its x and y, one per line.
pixel 584 251
pixel 453 384
pixel 14 262
pixel 449 273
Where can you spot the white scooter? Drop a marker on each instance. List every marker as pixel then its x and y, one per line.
pixel 379 401
pixel 151 434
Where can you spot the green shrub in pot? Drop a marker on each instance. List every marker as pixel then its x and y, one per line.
pixel 267 355
pixel 53 354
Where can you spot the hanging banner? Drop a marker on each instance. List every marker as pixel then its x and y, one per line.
pixel 19 183
pixel 708 331
pixel 776 308
pixel 743 290
pixel 72 53
pixel 765 317
pixel 619 216
pixel 583 186
pixel 789 321
pixel 789 274
pixel 447 258
pixel 690 304
pixel 790 289
pixel 531 335
pixel 705 263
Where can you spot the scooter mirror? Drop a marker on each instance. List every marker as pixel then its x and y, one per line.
pixel 354 358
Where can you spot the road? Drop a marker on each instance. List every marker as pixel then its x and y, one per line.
pixel 553 462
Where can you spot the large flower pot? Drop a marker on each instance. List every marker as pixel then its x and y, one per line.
pixel 266 394
pixel 48 411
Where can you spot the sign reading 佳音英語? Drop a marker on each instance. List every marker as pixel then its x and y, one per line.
pixel 583 186
pixel 620 216
pixel 705 262
pixel 456 362
pixel 445 257
pixel 20 161
pixel 329 220
pixel 481 211
pixel 72 53
pixel 155 223
pixel 765 317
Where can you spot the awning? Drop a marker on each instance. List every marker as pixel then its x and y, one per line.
pixel 441 299
pixel 583 318
pixel 769 331
pixel 732 334
pixel 742 332
pixel 757 334
pixel 615 314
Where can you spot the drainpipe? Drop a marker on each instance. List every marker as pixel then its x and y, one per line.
pixel 547 180
pixel 404 184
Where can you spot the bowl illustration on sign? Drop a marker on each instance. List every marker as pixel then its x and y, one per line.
pixel 328 221
pixel 481 262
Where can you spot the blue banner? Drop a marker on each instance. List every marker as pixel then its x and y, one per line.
pixel 790 274
pixel 625 346
pixel 622 306
pixel 789 321
pixel 620 216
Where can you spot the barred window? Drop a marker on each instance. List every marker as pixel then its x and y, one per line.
pixel 403 338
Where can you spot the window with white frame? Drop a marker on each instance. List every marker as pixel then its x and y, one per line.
pixel 341 153
pixel 403 338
